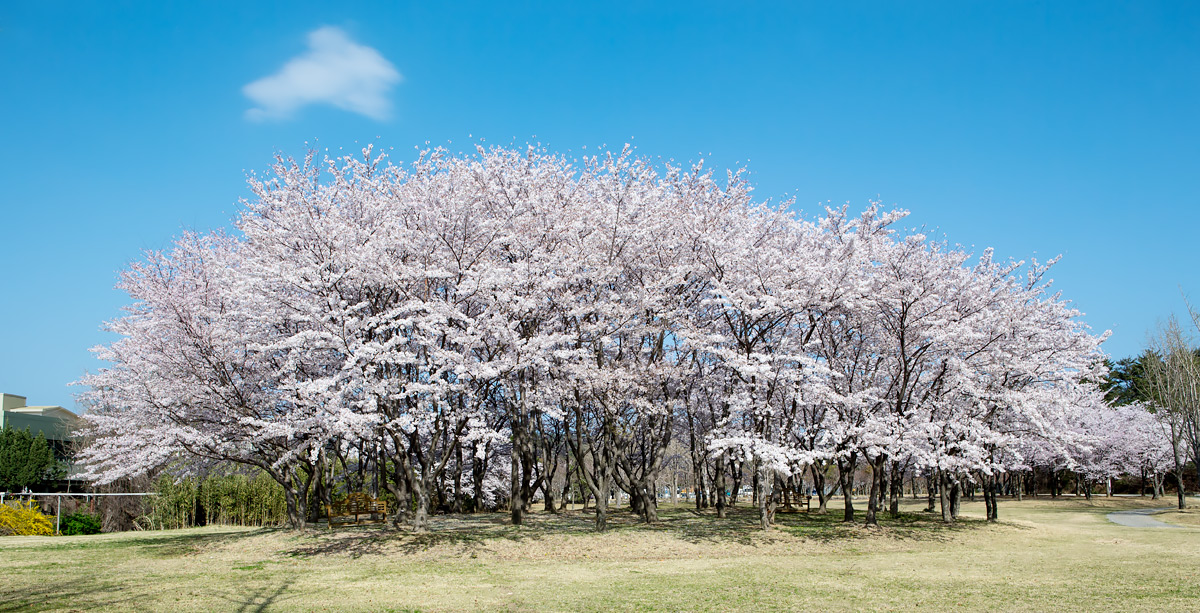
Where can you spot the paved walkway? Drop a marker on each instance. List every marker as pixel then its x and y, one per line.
pixel 1140 518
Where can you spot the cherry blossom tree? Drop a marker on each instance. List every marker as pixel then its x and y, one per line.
pixel 476 329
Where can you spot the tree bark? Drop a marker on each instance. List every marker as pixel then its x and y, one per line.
pixel 516 500
pixel 295 494
pixel 421 516
pixel 819 485
pixel 478 473
pixel 297 511
pixel 1179 489
pixel 895 492
pixel 931 489
pixel 955 496
pixel 457 505
pixel 944 498
pixel 846 481
pixel 719 486
pixel 765 482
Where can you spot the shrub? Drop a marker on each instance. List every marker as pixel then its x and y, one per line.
pixel 80 523
pixel 24 519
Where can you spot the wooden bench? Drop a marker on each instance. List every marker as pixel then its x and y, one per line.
pixel 352 508
pixel 793 504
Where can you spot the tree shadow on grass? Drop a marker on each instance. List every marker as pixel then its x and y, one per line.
pixel 71 593
pixel 466 535
pixel 260 599
pixel 173 545
pixel 84 593
pixel 904 526
pixel 170 543
pixel 741 525
pixel 63 588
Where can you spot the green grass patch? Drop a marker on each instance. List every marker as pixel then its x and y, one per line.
pixel 1044 554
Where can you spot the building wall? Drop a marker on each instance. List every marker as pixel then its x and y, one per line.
pixel 11 401
pixel 54 423
pixel 52 428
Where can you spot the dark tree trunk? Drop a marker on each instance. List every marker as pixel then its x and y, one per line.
pixel 736 477
pixel 566 489
pixel 737 485
pixel 322 490
pixel 457 507
pixel 649 506
pixel 719 486
pixel 819 485
pixel 550 505
pixel 478 472
pixel 601 513
pixel 990 484
pixel 516 502
pixel 421 494
pixel 987 504
pixel 786 489
pixel 1179 489
pixel 295 494
pixel 698 470
pixel 879 485
pixel 955 497
pixel 403 501
pixel 764 481
pixel 894 490
pixel 846 481
pixel 944 497
pixel 297 508
pixel 995 505
pixel 931 488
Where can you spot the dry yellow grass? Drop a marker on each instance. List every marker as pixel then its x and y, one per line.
pixel 1061 555
pixel 1186 517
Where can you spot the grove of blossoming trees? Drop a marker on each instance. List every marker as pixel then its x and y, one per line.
pixel 474 331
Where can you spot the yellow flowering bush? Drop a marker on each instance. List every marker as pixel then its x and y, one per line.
pixel 24 519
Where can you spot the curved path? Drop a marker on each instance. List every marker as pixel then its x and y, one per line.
pixel 1140 518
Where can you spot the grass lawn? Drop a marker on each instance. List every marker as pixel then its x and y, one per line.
pixel 1187 517
pixel 1044 555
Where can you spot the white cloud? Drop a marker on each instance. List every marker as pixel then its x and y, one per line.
pixel 335 70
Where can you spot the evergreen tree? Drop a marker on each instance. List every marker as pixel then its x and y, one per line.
pixel 25 459
pixel 1126 380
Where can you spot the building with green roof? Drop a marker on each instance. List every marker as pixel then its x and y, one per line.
pixel 55 423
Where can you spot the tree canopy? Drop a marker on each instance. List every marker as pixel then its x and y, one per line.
pixel 476 326
pixel 25 460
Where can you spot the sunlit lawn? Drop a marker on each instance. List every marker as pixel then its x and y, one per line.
pixel 1044 555
pixel 1186 517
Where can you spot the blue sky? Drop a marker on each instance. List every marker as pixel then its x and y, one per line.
pixel 1034 128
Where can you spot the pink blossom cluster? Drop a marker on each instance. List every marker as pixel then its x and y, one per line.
pixel 479 324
